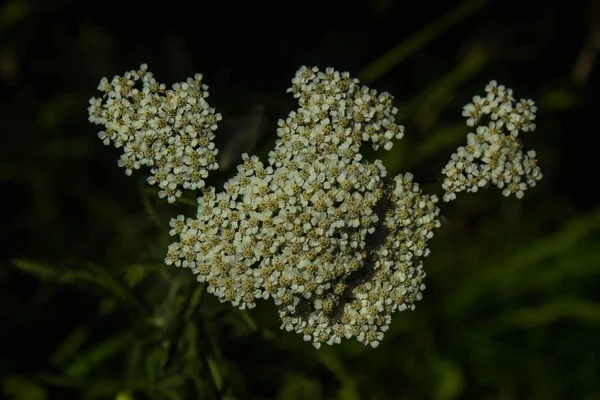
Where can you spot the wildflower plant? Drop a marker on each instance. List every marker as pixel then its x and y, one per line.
pixel 336 243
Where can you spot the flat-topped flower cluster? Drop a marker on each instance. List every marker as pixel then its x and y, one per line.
pixel 318 229
pixel 327 235
pixel 494 154
pixel 169 130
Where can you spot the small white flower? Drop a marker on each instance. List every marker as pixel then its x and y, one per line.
pixel 493 154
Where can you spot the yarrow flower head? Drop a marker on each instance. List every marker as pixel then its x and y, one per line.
pixel 494 154
pixel 334 242
pixel 169 130
pixel 319 230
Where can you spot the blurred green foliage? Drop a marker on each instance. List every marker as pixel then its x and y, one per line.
pixel 89 311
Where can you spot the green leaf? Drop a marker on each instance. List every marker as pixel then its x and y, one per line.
pixel 153 366
pixel 39 270
pixel 70 345
pixel 103 278
pixel 526 262
pixel 132 362
pixel 215 372
pixel 195 302
pixel 85 362
pixel 579 310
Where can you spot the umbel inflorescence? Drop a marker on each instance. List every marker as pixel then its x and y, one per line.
pixel 494 154
pixel 169 130
pixel 328 236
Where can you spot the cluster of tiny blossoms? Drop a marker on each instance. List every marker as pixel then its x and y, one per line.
pixel 169 130
pixel 493 154
pixel 318 229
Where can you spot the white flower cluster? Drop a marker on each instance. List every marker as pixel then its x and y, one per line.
pixel 321 231
pixel 169 130
pixel 493 153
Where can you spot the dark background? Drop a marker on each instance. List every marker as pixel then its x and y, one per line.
pixel 87 310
